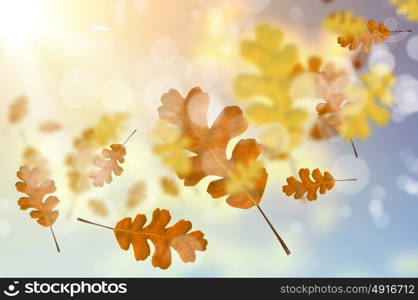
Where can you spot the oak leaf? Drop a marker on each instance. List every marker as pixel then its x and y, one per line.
pixel 209 144
pixel 169 186
pixel 18 109
pixel 375 34
pixel 409 8
pixel 136 194
pixel 133 232
pixel 49 126
pixel 277 63
pixel 32 158
pixel 98 207
pixel 344 22
pixel 374 106
pixel 307 185
pixel 36 190
pixel 108 163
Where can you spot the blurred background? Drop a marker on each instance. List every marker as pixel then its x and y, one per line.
pixel 79 75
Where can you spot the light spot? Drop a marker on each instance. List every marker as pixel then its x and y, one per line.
pixel 296 227
pixel 117 95
pixel 79 88
pixel 345 212
pixel 412 47
pixel 164 50
pixel 382 59
pixel 296 12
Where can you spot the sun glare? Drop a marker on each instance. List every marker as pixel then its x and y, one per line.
pixel 20 20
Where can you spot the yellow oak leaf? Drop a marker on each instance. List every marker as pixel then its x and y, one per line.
pixel 344 22
pixel 409 8
pixel 276 62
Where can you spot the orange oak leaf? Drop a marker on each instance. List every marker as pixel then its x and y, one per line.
pixel 376 34
pixel 18 109
pixel 98 207
pixel 108 163
pixel 36 190
pixel 136 194
pixel 209 146
pixel 133 232
pixel 169 186
pixel 307 185
pixel 49 126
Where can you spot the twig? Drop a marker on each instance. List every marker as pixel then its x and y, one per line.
pixel 398 31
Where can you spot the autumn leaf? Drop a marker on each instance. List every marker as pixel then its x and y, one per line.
pixel 49 126
pixel 85 147
pixel 133 232
pixel 171 150
pixel 36 191
pixel 169 186
pixel 409 8
pixel 136 194
pixel 108 164
pixel 277 64
pixel 375 34
pixel 18 109
pixel 322 129
pixel 208 144
pixel 320 183
pixel 345 23
pixel 98 207
pixel 32 158
pixel 374 107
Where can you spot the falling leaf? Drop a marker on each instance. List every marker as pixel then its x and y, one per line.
pixel 208 144
pixel 36 190
pixel 314 64
pixel 322 130
pixel 172 148
pixel 18 109
pixel 169 186
pixel 108 163
pixel 49 126
pixel 178 237
pixel 307 185
pixel 107 129
pixel 32 158
pixel 276 63
pixel 375 34
pixel 136 194
pixel 408 7
pixel 378 97
pixel 98 207
pixel 344 22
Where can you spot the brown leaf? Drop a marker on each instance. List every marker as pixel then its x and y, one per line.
pixel 49 126
pixel 108 163
pixel 209 144
pixel 136 194
pixel 169 186
pixel 306 185
pixel 32 186
pixel 18 109
pixel 98 207
pixel 129 232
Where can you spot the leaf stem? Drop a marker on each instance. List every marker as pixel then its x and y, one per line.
pixel 92 223
pixel 55 239
pixel 354 148
pixel 127 139
pixel 397 31
pixel 351 179
pixel 275 232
